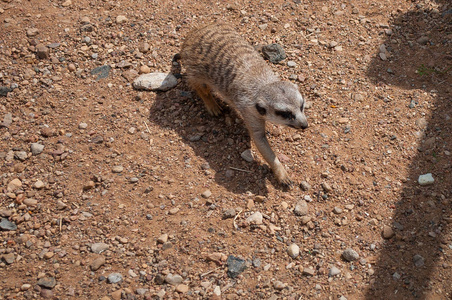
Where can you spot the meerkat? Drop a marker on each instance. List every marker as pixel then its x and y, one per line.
pixel 218 61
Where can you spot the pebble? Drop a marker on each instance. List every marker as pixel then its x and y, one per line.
pixel 305 186
pixel 71 67
pixel 418 260
pixel 97 263
pixel 82 125
pixel 291 64
pixel 229 213
pixel 14 185
pixel 116 295
pixel 145 70
pixel 278 285
pixel 42 51
pixel 173 279
pixel 293 250
pixel 101 72
pixel 387 232
pixel 235 266
pixel 350 254
pixel 7 120
pixel 301 208
pixel 117 169
pixel 5 224
pixel 9 258
pixel 206 194
pixel 25 287
pixel 255 219
pixel 32 32
pixel 326 187
pixel 114 278
pixel 337 210
pixel 99 247
pixel 141 291
pixel 333 271
pixel 426 179
pixel 46 293
pixel 121 19
pixel 308 271
pixel 421 123
pixel 423 40
pixel 21 155
pixel 274 53
pixel 162 239
pixel 30 202
pixel 36 148
pixel 173 211
pixel 155 82
pixel 247 155
pixel 182 288
pixel 47 282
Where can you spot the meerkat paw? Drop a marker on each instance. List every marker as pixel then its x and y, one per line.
pixel 214 110
pixel 283 178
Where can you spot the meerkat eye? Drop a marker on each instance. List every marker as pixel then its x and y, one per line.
pixel 261 110
pixel 285 114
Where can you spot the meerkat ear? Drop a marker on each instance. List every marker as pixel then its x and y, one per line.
pixel 260 109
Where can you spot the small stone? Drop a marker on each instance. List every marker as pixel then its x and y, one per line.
pixel 101 72
pixel 89 185
pixel 305 186
pixel 418 260
pixel 396 276
pixel 173 211
pixel 337 210
pixel 426 179
pixel 229 213
pixel 235 266
pixel 116 295
pixel 71 67
pixel 46 293
pixel 67 3
pixel 117 169
pixel 9 258
pixel 274 53
pixel 30 202
pixel 47 282
pixel 334 271
pixel 247 155
pixel 145 70
pixel 48 255
pixel 308 271
pixel 82 125
pixel 144 47
pixel 387 232
pixel 14 185
pixel 291 64
pixel 293 250
pixel 206 194
pixel 36 148
pixel 32 32
pixel 182 288
pixel 155 82
pixel 173 279
pixel 5 224
pixel 21 155
pixel 141 291
pixel 97 263
pixel 278 285
pixel 255 219
pixel 423 40
pixel 421 123
pixel 7 120
pixel 121 19
pixel 162 239
pixel 99 247
pixel 25 287
pixel 326 187
pixel 114 278
pixel 350 255
pixel 42 51
pixel 301 208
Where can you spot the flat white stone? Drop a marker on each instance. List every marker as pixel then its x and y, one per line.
pixel 155 82
pixel 426 179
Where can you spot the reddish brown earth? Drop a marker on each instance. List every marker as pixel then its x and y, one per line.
pixel 362 154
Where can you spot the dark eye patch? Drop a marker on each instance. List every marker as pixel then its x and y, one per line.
pixel 285 114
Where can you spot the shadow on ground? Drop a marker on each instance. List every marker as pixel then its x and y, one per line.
pixel 420 60
pixel 217 140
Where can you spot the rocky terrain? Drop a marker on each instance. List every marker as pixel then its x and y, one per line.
pixel 109 192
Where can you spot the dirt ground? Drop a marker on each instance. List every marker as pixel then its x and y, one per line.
pixel 98 178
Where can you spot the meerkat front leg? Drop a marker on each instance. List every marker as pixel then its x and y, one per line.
pixel 256 128
pixel 209 101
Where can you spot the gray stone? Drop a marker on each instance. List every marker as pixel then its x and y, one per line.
pixel 9 258
pixel 235 266
pixel 5 224
pixel 274 53
pixel 4 90
pixel 426 179
pixel 291 64
pixel 229 213
pixel 173 279
pixel 305 186
pixel 21 155
pixel 7 120
pixel 293 250
pixel 247 155
pixel 36 148
pixel 301 208
pixel 255 219
pixel 155 82
pixel 114 278
pixel 334 271
pixel 101 72
pixel 418 260
pixel 99 247
pixel 97 263
pixel 47 282
pixel 350 254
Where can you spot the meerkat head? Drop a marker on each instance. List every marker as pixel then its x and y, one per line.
pixel 281 103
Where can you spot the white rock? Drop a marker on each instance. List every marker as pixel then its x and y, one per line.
pixel 255 219
pixel 334 271
pixel 247 155
pixel 426 179
pixel 155 82
pixel 121 19
pixel 36 148
pixel 293 250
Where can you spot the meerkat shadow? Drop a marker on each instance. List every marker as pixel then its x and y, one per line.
pixel 217 141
